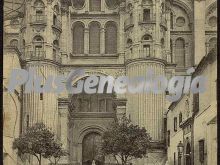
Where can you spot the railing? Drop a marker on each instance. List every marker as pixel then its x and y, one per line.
pixel 35 55
pixel 145 54
pixel 142 54
pixel 38 19
pixel 128 23
pixel 40 55
pixel 151 19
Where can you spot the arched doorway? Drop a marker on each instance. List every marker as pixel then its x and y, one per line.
pixel 188 154
pixel 91 149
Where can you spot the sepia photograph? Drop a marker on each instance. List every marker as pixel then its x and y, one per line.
pixel 109 82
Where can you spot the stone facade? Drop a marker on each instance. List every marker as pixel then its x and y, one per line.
pixel 107 38
pixel 192 121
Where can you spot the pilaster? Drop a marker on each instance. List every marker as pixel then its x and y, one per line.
pixel 199 30
pixel 102 44
pixel 86 43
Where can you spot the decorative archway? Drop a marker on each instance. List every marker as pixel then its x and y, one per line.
pixel 91 146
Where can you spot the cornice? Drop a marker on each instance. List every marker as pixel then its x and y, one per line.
pixel 95 57
pixel 94 65
pixel 92 15
pixel 93 115
pixel 149 59
pixel 180 32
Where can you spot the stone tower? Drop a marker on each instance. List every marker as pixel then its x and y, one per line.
pixel 148 47
pixel 40 39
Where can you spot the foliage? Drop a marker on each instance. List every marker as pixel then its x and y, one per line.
pixel 40 142
pixel 125 141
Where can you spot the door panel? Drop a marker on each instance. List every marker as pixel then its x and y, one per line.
pixel 91 149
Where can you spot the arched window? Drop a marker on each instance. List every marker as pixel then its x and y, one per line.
pixel 180 52
pixel 55 48
pixel 129 42
pixel 39 10
pixel 110 38
pixel 54 19
pixel 78 4
pixel 14 43
pixel 94 38
pixel 56 9
pixel 112 4
pixel 97 102
pixel 146 50
pixel 147 37
pixel 212 43
pixel 95 5
pixel 147 40
pixel 129 45
pixel 38 45
pixel 130 6
pixel 146 15
pixel 39 6
pixel 162 43
pixel 78 38
pixel 23 45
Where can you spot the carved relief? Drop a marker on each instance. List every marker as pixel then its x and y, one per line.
pixel 57 34
pixel 50 1
pixel 120 72
pixel 129 33
pixel 39 28
pixel 148 28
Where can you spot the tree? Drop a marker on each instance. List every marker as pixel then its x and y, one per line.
pixel 125 141
pixel 56 152
pixel 40 142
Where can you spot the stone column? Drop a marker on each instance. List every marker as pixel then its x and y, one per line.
pixel 121 33
pixel 87 6
pixel 63 112
pixel 169 53
pixel 65 36
pixel 86 41
pixel 174 50
pixel 187 58
pixel 103 6
pixel 157 34
pixel 102 44
pixel 136 28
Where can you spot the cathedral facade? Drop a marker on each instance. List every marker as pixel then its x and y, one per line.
pixel 106 37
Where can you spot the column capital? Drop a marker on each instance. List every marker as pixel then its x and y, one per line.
pixel 102 29
pixel 86 30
